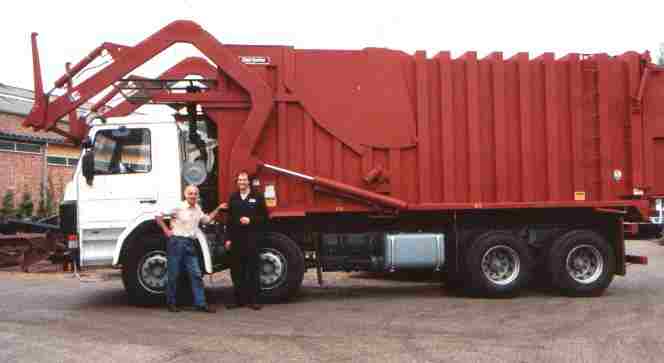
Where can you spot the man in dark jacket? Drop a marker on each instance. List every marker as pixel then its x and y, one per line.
pixel 247 216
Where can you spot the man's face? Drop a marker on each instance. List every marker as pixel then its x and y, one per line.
pixel 243 182
pixel 191 195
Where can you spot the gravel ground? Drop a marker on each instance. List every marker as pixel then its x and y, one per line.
pixel 50 317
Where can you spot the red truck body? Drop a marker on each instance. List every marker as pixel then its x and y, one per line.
pixel 460 132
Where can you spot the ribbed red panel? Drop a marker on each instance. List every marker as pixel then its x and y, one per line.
pixel 473 130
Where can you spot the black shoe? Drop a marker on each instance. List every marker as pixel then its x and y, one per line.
pixel 172 308
pixel 234 306
pixel 205 309
pixel 255 306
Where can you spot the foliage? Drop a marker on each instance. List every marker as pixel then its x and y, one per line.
pixel 26 207
pixel 7 209
pixel 47 206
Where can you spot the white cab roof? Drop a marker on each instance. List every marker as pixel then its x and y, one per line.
pixel 138 119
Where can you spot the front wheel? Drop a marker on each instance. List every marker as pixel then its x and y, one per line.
pixel 145 276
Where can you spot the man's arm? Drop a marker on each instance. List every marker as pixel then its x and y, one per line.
pixel 230 222
pixel 160 221
pixel 207 218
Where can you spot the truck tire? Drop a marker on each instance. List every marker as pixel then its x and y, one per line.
pixel 281 268
pixel 581 263
pixel 498 264
pixel 145 277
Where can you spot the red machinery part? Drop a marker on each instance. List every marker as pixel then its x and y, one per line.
pixel 451 133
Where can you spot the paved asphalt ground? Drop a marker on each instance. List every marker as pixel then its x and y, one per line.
pixel 49 317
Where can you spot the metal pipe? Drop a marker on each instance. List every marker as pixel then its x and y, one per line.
pixel 361 193
pixel 344 188
pixel 44 174
pixel 40 98
pixel 104 100
pixel 289 172
pixel 79 66
pixel 36 70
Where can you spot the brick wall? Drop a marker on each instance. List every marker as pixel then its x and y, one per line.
pixel 10 122
pixel 22 172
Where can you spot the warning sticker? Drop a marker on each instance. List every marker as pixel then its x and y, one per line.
pixel 579 195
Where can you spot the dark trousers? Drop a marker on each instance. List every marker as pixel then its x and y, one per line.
pixel 245 268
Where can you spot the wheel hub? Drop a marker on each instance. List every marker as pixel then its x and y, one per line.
pixel 152 272
pixel 273 268
pixel 501 265
pixel 585 264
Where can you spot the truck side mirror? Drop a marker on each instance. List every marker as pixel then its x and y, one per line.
pixel 86 143
pixel 88 166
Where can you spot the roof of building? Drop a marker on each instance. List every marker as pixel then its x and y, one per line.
pixel 16 91
pixel 18 101
pixel 31 137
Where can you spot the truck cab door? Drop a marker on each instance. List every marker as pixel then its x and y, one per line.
pixel 124 186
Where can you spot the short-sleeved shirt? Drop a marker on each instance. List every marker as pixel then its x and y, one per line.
pixel 186 219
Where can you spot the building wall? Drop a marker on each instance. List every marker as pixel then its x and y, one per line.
pixel 66 151
pixel 10 122
pixel 22 171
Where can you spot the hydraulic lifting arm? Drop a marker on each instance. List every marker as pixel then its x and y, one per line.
pixel 48 109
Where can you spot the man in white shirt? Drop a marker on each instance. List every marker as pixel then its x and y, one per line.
pixel 181 248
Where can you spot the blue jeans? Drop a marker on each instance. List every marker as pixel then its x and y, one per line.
pixel 181 253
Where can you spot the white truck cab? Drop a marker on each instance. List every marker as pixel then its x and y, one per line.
pixel 131 171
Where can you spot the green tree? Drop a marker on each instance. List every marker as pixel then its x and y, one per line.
pixel 7 209
pixel 46 206
pixel 49 205
pixel 41 207
pixel 26 207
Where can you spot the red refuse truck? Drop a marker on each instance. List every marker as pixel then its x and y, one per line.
pixel 488 169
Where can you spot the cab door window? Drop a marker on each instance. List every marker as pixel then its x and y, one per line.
pixel 122 151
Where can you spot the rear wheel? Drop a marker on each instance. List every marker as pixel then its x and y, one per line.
pixel 581 263
pixel 498 264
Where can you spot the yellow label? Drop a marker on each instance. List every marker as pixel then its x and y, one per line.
pixel 579 195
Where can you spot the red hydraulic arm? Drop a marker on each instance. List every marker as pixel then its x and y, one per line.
pixel 48 109
pixel 189 66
